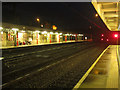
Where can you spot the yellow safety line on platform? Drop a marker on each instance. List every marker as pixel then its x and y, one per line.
pixel 89 70
pixel 118 57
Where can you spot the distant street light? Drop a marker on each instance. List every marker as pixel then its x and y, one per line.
pixel 90 27
pixel 54 27
pixel 38 20
pixel 41 25
pixel 96 15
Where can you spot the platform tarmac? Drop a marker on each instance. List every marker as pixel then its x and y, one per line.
pixel 105 73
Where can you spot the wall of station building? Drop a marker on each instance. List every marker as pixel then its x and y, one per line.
pixel 8 37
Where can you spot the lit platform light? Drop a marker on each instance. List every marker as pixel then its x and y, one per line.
pixel 1 28
pixel 51 32
pixel 44 32
pixel 1 32
pixel 86 38
pixel 80 34
pixel 56 32
pixel 37 31
pixel 67 34
pixel 15 30
pixel 60 33
pixel 23 31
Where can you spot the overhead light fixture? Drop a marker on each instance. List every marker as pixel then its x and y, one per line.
pixel 44 32
pixel 2 32
pixel 15 29
pixel 22 31
pixel 60 33
pixel 51 32
pixel 56 32
pixel 37 31
pixel 1 28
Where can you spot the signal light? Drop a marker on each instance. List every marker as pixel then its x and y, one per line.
pixel 102 35
pixel 101 39
pixel 107 40
pixel 116 35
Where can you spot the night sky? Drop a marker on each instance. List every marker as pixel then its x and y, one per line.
pixel 70 17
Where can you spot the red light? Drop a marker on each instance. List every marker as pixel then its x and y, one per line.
pixel 101 39
pixel 107 39
pixel 102 35
pixel 116 35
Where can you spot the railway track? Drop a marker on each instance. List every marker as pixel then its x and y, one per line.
pixel 59 54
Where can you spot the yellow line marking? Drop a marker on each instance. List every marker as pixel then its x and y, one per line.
pixel 87 73
pixel 118 57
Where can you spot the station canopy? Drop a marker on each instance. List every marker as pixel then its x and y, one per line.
pixel 109 12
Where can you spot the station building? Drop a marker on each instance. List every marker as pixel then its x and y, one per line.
pixel 15 35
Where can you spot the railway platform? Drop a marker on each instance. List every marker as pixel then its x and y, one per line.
pixel 104 73
pixel 5 47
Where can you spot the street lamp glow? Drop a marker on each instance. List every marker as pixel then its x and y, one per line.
pixel 54 27
pixel 41 25
pixel 96 15
pixel 38 19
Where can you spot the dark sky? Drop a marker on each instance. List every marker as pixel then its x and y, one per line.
pixel 73 17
